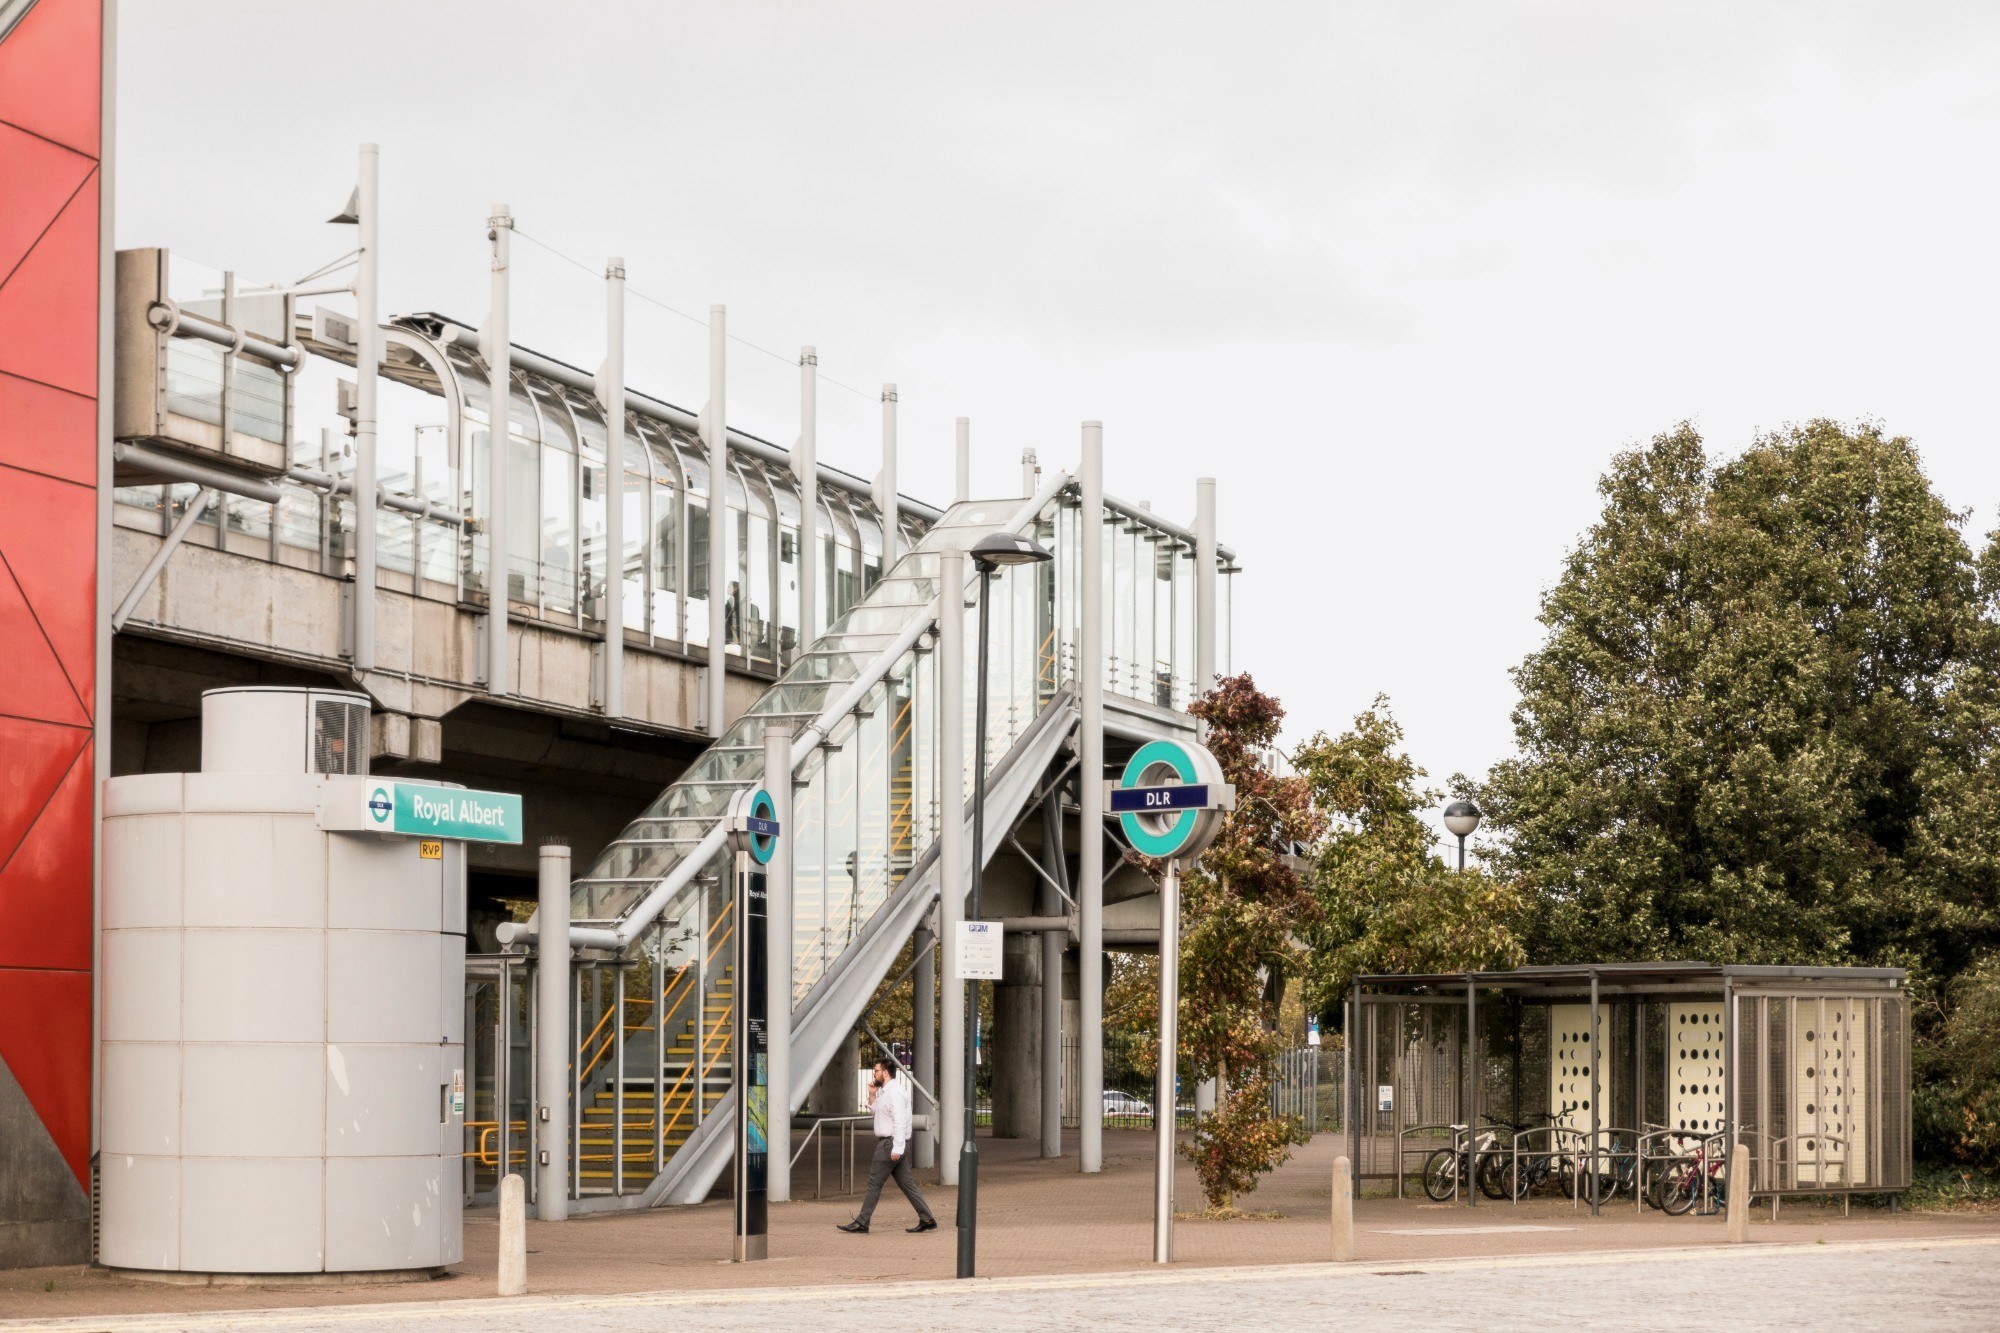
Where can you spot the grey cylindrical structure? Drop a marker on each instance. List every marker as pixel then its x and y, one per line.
pixel 952 693
pixel 500 379
pixel 283 1033
pixel 367 357
pixel 805 466
pixel 1090 800
pixel 778 907
pixel 553 1041
pixel 612 394
pixel 1205 1092
pixel 885 499
pixel 715 431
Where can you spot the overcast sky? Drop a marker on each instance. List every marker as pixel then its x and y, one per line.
pixel 1402 276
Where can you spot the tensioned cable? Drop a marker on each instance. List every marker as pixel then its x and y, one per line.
pixel 692 319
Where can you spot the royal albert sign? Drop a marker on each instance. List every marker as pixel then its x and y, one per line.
pixel 419 810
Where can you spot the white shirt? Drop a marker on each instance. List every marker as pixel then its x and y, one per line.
pixel 892 1112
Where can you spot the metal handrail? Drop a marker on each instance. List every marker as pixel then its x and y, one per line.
pixel 1402 1152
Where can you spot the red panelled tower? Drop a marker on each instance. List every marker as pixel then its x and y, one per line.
pixel 51 196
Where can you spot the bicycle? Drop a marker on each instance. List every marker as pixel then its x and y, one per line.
pixel 1703 1180
pixel 1448 1170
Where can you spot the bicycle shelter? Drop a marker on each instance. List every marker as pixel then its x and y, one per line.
pixel 1626 1064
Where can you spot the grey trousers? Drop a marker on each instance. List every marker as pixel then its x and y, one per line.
pixel 881 1170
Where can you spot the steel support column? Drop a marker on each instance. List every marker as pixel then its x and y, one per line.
pixel 805 467
pixel 1052 943
pixel 500 375
pixel 1090 782
pixel 885 483
pixel 952 691
pixel 367 360
pixel 611 393
pixel 715 432
pixel 778 907
pixel 923 1003
pixel 552 1036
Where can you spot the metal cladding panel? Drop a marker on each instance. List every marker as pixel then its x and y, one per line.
pixel 387 1212
pixel 148 1120
pixel 378 883
pixel 252 1214
pixel 255 870
pixel 32 414
pixel 142 985
pixel 142 871
pixel 253 985
pixel 382 986
pixel 451 989
pixel 46 877
pixel 50 334
pixel 384 1101
pixel 252 1100
pixel 49 72
pixel 140 1204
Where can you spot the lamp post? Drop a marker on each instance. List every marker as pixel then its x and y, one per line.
pixel 993 551
pixel 1461 818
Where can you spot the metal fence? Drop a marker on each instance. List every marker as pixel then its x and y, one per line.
pixel 1306 1081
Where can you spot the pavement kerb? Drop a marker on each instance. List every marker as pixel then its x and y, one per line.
pixel 408 1310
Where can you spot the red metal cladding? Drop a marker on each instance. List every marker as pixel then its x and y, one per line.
pixel 48 540
pixel 51 69
pixel 48 305
pixel 41 176
pixel 49 72
pixel 48 430
pixel 44 1024
pixel 36 687
pixel 38 755
pixel 45 884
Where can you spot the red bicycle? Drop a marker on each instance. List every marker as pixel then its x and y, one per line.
pixel 1702 1180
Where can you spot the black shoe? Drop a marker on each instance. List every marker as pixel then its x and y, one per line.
pixel 858 1227
pixel 927 1224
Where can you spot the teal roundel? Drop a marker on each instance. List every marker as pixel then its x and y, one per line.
pixel 1158 764
pixel 763 846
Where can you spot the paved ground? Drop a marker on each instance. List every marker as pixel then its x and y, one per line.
pixel 1847 1285
pixel 1040 1219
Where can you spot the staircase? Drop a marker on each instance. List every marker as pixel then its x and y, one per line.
pixel 863 703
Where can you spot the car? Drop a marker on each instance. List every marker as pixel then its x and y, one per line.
pixel 1124 1104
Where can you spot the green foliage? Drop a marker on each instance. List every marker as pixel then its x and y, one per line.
pixel 1387 901
pixel 1760 717
pixel 1959 1110
pixel 1241 911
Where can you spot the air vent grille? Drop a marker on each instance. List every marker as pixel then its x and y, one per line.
pixel 340 738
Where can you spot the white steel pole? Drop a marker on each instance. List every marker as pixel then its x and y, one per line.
pixel 715 424
pixel 778 906
pixel 951 857
pixel 1090 850
pixel 500 375
pixel 963 491
pixel 552 1035
pixel 885 502
pixel 367 358
pixel 1031 472
pixel 611 392
pixel 1164 1093
pixel 1205 1092
pixel 805 466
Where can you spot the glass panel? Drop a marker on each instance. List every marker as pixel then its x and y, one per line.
pixel 695 470
pixel 524 478
pixel 663 538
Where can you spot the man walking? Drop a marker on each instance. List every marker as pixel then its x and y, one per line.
pixel 889 1098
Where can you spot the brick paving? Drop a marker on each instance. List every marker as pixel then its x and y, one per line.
pixel 1036 1217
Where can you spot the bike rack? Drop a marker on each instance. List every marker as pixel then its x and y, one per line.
pixel 1402 1153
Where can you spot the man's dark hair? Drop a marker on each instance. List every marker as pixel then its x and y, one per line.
pixel 888 1066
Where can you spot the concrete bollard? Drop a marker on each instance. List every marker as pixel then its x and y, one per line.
pixel 513 1237
pixel 1343 1210
pixel 1739 1194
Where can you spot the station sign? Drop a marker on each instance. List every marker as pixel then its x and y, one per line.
pixel 1148 800
pixel 419 810
pixel 1170 800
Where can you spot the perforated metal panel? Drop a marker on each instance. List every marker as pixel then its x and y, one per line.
pixel 1695 1067
pixel 1570 1059
pixel 1829 1078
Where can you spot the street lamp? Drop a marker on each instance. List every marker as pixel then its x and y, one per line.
pixel 994 551
pixel 1461 818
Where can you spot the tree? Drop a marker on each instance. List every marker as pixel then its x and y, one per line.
pixel 1241 910
pixel 1387 901
pixel 1762 681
